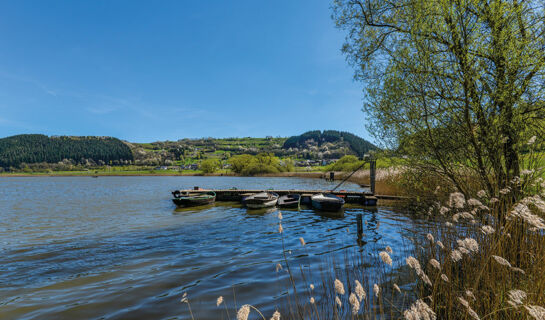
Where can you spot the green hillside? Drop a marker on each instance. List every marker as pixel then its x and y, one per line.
pixel 37 148
pixel 74 153
pixel 185 151
pixel 312 145
pixel 330 138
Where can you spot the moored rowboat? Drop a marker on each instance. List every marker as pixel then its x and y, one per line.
pixel 327 202
pixel 261 200
pixel 191 199
pixel 289 201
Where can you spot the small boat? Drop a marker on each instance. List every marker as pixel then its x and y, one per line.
pixel 289 201
pixel 261 200
pixel 305 199
pixel 191 199
pixel 327 202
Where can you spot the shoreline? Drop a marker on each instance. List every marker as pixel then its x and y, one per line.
pixel 166 174
pixel 383 186
pixel 314 175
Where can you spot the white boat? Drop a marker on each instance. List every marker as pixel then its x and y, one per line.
pixel 327 202
pixel 261 200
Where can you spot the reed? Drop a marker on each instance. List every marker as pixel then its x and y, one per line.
pixel 482 258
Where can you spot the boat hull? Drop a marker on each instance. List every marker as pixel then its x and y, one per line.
pixel 261 200
pixel 327 203
pixel 260 205
pixel 192 202
pixel 327 206
pixel 289 201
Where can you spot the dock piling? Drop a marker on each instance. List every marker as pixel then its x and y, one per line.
pixel 359 219
pixel 372 175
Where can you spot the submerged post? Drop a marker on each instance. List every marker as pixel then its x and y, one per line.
pixel 359 218
pixel 372 175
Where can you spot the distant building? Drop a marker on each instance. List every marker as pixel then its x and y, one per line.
pixel 308 163
pixel 192 166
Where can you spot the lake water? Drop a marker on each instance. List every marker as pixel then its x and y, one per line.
pixel 117 248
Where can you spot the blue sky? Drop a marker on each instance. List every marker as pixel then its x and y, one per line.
pixel 148 71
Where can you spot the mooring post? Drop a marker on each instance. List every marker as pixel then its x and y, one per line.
pixel 372 175
pixel 359 218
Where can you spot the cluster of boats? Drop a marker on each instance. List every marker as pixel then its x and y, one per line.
pixel 265 199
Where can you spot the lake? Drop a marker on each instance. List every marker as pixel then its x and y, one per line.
pixel 117 247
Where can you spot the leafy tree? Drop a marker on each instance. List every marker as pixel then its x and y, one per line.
pixel 263 163
pixel 459 83
pixel 246 164
pixel 209 165
pixel 238 163
pixel 346 163
pixel 289 164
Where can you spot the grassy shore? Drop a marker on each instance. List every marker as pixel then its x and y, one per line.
pixel 384 184
pixel 106 173
pixel 90 173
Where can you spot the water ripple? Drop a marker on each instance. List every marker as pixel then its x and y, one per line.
pixel 116 248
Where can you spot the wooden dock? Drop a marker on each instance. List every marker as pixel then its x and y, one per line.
pixel 364 198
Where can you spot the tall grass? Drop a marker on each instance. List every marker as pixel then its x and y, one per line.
pixel 483 259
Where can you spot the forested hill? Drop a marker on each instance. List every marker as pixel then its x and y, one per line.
pixel 35 148
pixel 319 138
pixel 65 151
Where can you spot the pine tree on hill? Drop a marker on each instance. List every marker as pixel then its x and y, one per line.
pixel 358 145
pixel 34 148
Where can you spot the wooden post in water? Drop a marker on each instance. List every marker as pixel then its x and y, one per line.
pixel 359 218
pixel 372 175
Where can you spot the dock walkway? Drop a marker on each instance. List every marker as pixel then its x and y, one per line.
pixel 365 198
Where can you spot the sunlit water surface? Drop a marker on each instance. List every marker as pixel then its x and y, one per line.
pixel 117 248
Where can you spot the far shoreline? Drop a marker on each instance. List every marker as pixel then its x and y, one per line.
pixel 314 174
pixel 384 185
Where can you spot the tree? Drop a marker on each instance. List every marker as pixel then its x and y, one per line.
pixel 238 163
pixel 289 164
pixel 209 165
pixel 35 148
pixel 246 164
pixel 346 163
pixel 460 83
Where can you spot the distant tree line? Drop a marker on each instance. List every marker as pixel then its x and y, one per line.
pixel 37 148
pixel 358 145
pixel 346 163
pixel 248 165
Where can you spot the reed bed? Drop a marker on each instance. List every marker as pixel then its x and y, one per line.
pixel 483 258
